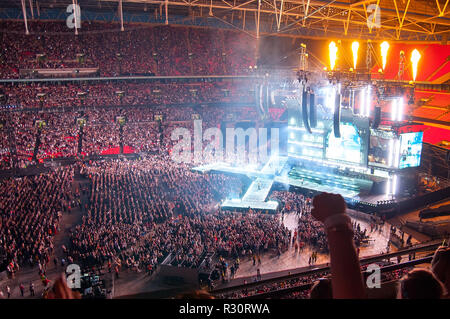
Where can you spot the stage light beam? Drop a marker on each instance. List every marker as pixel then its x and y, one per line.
pixel 333 54
pixel 394 185
pixel 391 152
pixel 400 109
pixel 415 57
pixel 388 186
pixel 368 101
pixel 384 50
pixel 397 153
pixel 355 47
pixel 362 96
pixel 330 96
pixel 394 110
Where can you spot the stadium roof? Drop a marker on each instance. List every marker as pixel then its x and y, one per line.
pixel 404 20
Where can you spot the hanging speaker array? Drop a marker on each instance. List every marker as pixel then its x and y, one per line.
pixel 337 116
pixel 305 111
pixel 262 100
pixel 377 117
pixel 312 110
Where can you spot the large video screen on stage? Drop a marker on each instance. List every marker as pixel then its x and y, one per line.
pixel 347 148
pixel 379 148
pixel 410 149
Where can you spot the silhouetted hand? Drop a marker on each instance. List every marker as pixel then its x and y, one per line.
pixel 440 265
pixel 326 205
pixel 60 290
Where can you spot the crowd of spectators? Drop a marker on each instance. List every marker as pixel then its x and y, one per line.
pixel 141 133
pixel 306 281
pixel 171 210
pixel 137 212
pixel 310 231
pixel 30 211
pixel 271 287
pixel 100 94
pixel 138 50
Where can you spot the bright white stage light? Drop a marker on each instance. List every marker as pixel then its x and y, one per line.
pixel 272 97
pixel 362 98
pixel 292 136
pixel 394 110
pixel 391 152
pixel 400 109
pixel 388 186
pixel 292 121
pixel 368 102
pixel 397 153
pixel 394 185
pixel 353 100
pixel 330 97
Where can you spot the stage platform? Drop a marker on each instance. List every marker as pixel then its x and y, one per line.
pixel 248 170
pixel 315 187
pixel 357 191
pixel 259 189
pixel 255 197
pixel 241 204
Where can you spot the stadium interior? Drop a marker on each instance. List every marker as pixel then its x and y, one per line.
pixel 184 149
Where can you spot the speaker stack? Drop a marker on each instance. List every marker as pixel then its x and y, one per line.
pixel 337 116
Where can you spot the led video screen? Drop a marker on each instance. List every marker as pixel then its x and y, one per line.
pixel 380 145
pixel 410 149
pixel 347 148
pixel 379 150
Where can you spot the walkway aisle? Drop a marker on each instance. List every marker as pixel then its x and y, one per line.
pixel 291 259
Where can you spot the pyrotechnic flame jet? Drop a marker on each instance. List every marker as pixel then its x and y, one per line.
pixel 415 57
pixel 355 47
pixel 333 54
pixel 384 49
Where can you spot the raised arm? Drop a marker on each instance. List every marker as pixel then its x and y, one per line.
pixel 346 277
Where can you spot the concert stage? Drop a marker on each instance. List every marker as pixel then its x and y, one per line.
pixel 336 140
pixel 360 191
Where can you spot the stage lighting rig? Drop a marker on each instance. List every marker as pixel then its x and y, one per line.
pixel 302 73
pixel 401 66
pixel 411 97
pixel 302 77
pixel 334 77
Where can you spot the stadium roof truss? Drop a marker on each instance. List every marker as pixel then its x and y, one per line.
pixel 402 20
pixel 405 20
